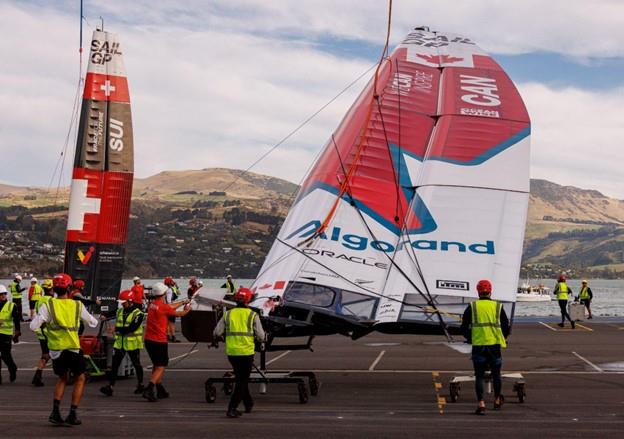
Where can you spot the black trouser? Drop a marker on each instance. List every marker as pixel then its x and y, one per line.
pixel 242 369
pixel 587 303
pixel 563 305
pixel 18 305
pixel 484 358
pixel 135 357
pixel 5 352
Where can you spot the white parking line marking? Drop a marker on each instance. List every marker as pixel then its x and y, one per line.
pixel 277 358
pixel 377 360
pixel 587 361
pixel 548 326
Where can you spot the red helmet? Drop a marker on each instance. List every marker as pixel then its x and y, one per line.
pixel 79 283
pixel 168 281
pixel 562 278
pixel 193 281
pixel 62 280
pixel 243 295
pixel 125 296
pixel 484 287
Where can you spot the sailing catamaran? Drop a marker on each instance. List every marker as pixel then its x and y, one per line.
pixel 422 190
pixel 101 187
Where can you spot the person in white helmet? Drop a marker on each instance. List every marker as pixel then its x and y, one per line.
pixel 16 294
pixel 137 289
pixel 156 338
pixel 35 292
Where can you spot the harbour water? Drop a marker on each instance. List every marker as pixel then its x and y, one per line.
pixel 608 295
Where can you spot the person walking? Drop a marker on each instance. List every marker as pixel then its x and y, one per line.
pixel 156 338
pixel 61 317
pixel 16 294
pixel 128 340
pixel 241 326
pixel 585 296
pixel 9 332
pixel 34 294
pixel 486 326
pixel 48 293
pixel 562 292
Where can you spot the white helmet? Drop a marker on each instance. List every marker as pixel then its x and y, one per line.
pixel 229 276
pixel 33 279
pixel 3 289
pixel 18 277
pixel 159 289
pixel 200 283
pixel 136 278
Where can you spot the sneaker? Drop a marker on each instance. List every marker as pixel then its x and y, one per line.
pixel 55 418
pixel 37 381
pixel 140 389
pixel 107 390
pixel 248 408
pixel 175 340
pixel 12 375
pixel 161 393
pixel 72 419
pixel 573 324
pixel 499 404
pixel 148 394
pixel 560 325
pixel 233 413
pixel 480 411
pixel 590 317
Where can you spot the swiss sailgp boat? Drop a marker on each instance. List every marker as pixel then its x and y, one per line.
pixel 101 187
pixel 422 190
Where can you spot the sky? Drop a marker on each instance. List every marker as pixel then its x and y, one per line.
pixel 218 83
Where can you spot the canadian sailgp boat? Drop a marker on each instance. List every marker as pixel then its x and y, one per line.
pixel 422 190
pixel 101 187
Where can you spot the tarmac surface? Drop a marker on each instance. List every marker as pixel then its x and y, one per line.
pixel 378 386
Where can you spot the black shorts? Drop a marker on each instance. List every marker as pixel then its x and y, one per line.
pixel 32 304
pixel 44 347
pixel 69 362
pixel 158 353
pixel 171 319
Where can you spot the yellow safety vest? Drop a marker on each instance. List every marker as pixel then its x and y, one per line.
pixel 562 292
pixel 41 332
pixel 6 319
pixel 37 293
pixel 62 329
pixel 239 332
pixel 230 287
pixel 128 342
pixel 15 294
pixel 584 293
pixel 486 325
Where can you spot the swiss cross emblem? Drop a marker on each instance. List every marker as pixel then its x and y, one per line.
pixel 80 204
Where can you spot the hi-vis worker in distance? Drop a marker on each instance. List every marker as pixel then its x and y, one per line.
pixel 563 292
pixel 16 291
pixel 34 295
pixel 9 332
pixel 585 296
pixel 241 327
pixel 61 316
pixel 486 326
pixel 230 287
pixel 48 293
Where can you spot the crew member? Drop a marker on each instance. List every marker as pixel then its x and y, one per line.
pixel 241 326
pixel 486 326
pixel 77 293
pixel 128 340
pixel 156 338
pixel 9 332
pixel 561 292
pixel 230 287
pixel 34 294
pixel 172 294
pixel 16 294
pixel 61 316
pixel 138 290
pixel 193 287
pixel 48 293
pixel 586 296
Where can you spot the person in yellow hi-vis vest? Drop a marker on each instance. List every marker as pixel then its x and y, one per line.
pixel 34 294
pixel 16 291
pixel 563 293
pixel 486 326
pixel 585 296
pixel 62 317
pixel 241 327
pixel 48 293
pixel 9 332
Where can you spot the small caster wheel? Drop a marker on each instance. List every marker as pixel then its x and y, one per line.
pixel 211 393
pixel 314 387
pixel 454 391
pixel 303 393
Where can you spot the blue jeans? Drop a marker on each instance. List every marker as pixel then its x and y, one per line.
pixel 487 358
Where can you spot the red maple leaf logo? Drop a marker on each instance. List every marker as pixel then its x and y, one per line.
pixel 439 59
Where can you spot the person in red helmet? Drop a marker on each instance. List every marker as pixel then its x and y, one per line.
pixel 61 317
pixel 128 340
pixel 241 326
pixel 486 326
pixel 77 293
pixel 193 287
pixel 563 292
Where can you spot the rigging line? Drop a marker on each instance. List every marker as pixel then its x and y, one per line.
pixel 472 187
pixel 294 131
pixel 374 293
pixel 396 70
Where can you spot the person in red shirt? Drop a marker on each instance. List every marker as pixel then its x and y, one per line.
pixel 137 289
pixel 156 338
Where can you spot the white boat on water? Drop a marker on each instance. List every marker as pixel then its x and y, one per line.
pixel 533 293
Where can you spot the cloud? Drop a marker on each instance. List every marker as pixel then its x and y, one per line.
pixel 217 83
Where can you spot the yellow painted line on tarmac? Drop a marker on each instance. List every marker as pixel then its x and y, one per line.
pixel 587 328
pixel 437 385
